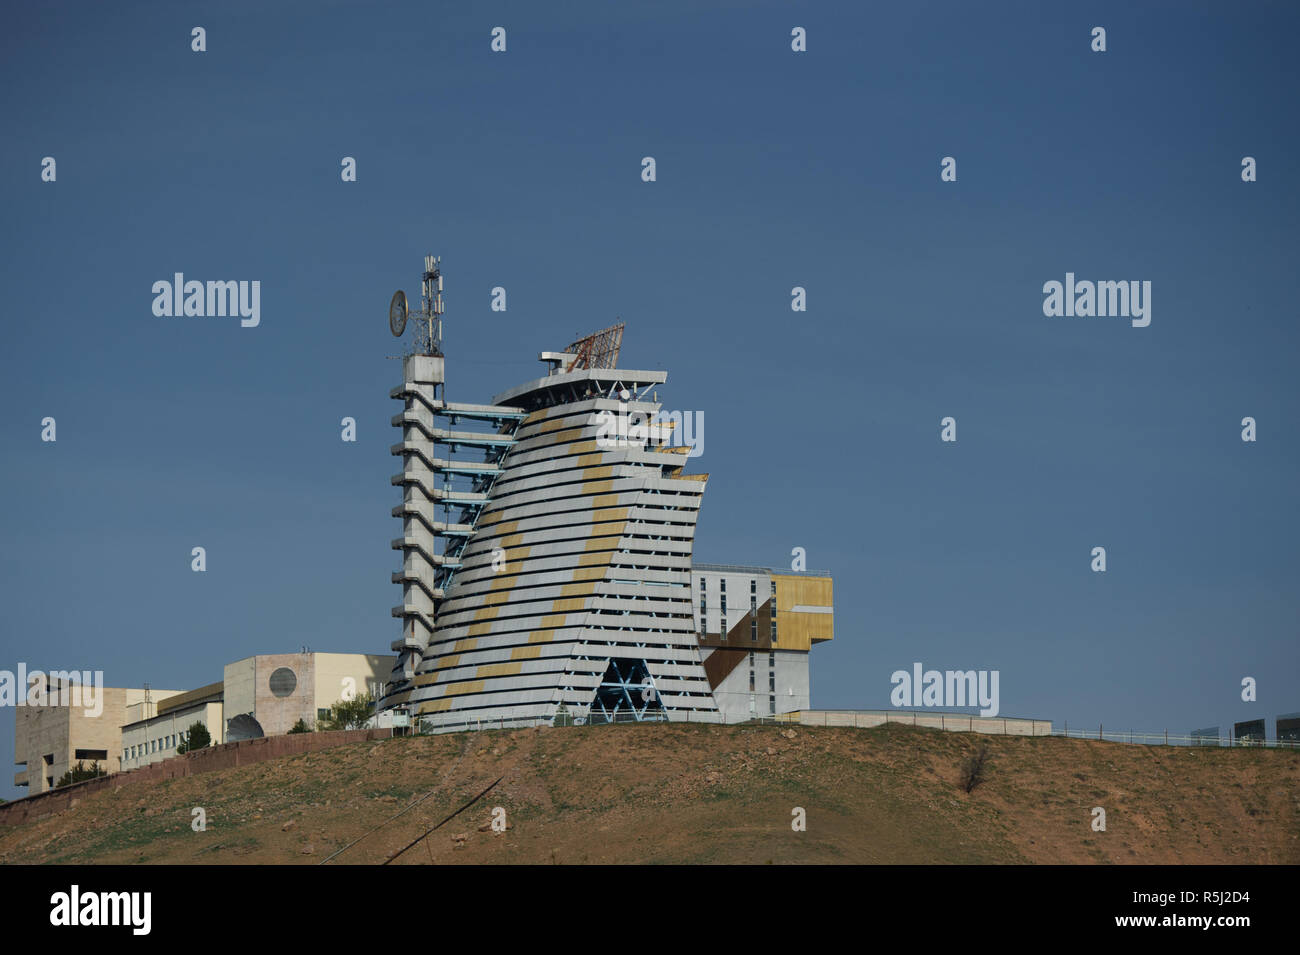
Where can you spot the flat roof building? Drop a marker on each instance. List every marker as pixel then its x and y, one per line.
pixel 756 627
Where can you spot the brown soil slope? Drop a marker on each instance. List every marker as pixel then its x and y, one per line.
pixel 700 794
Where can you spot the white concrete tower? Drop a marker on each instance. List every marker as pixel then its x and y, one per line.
pixel 422 378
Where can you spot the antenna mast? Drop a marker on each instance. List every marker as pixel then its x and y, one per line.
pixel 431 306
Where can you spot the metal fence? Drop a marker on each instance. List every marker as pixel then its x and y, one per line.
pixel 1165 738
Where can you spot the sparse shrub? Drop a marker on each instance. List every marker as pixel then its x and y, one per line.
pixel 80 773
pixel 300 727
pixel 974 768
pixel 348 714
pixel 196 737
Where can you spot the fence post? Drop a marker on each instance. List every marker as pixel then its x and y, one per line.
pixel 1099 732
pixel 1166 736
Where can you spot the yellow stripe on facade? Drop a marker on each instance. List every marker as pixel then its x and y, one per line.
pixel 468 686
pixel 498 669
pixel 487 613
pixel 526 653
pixel 541 636
pixel 567 606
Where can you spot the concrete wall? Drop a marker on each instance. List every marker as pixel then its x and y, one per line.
pixel 46 738
pixel 792 686
pixel 277 714
pixel 954 722
pixel 365 671
pixel 238 679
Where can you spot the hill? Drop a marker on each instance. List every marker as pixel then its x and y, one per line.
pixel 658 793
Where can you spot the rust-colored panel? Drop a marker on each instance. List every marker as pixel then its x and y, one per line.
pixel 738 636
pixel 719 664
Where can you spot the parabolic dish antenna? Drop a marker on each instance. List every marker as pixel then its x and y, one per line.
pixel 397 314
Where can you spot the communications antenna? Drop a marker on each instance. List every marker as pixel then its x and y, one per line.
pixel 428 320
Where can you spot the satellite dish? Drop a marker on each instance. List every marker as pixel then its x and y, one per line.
pixel 397 314
pixel 243 726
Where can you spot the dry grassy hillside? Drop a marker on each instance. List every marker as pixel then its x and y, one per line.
pixel 701 794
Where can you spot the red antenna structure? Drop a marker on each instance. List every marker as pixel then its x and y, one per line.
pixel 597 350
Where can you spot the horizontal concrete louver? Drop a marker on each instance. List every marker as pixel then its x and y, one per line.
pixel 581 554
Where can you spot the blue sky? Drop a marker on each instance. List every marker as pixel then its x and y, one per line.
pixel 775 169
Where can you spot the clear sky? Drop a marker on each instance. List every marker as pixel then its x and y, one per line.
pixel 775 169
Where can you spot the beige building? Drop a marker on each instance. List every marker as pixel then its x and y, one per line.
pixel 155 727
pixel 259 696
pixel 50 739
pixel 277 690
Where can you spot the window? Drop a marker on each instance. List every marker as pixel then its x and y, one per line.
pixel 753 587
pixel 771 705
pixel 771 682
pixel 91 754
pixel 771 661
pixel 322 714
pixel 751 681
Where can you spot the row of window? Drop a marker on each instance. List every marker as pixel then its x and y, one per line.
pixel 158 745
pixel 753 607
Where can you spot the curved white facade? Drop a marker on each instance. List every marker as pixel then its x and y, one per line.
pixel 573 587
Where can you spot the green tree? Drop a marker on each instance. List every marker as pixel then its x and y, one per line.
pixel 300 727
pixel 80 773
pixel 348 714
pixel 196 737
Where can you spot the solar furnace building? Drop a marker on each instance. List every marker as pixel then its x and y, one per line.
pixel 546 549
